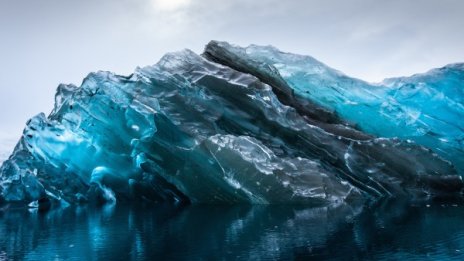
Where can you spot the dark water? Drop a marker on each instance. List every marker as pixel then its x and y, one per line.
pixel 389 231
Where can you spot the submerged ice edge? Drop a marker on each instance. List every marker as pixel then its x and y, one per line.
pixel 234 125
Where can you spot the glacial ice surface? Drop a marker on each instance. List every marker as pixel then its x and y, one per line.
pixel 243 125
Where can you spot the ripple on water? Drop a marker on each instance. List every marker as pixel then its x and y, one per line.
pixel 163 232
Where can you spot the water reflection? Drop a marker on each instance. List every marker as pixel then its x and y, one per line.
pixel 119 232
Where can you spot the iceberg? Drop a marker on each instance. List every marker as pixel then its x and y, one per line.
pixel 243 125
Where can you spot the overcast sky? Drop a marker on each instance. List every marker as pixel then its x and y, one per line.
pixel 47 42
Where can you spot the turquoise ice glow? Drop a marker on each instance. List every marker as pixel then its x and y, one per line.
pixel 426 108
pixel 239 125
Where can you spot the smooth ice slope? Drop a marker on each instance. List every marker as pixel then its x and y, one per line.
pixel 234 125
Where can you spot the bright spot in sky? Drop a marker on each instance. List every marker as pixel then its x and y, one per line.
pixel 169 5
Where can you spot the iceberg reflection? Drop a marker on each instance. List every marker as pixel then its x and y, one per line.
pixel 121 232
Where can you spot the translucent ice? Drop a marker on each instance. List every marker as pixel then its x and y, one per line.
pixel 241 125
pixel 426 108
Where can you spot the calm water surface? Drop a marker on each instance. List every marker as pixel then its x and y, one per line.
pixel 389 231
